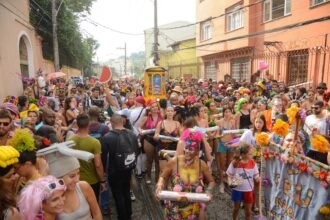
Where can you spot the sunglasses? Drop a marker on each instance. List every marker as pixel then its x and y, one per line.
pixel 52 186
pixel 5 123
pixel 316 108
pixel 321 88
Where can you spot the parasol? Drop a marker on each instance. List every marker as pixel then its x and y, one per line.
pixel 55 75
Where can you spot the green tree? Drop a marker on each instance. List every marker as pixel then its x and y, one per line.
pixel 74 49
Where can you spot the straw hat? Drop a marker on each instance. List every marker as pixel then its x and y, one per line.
pixel 177 89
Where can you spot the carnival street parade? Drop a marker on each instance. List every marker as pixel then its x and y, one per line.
pixel 67 149
pixel 164 110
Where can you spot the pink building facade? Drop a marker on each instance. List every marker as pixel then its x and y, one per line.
pixel 290 36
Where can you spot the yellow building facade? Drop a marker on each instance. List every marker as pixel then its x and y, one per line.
pixel 181 60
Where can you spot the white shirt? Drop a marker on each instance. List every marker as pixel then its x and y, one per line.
pixel 135 119
pixel 312 122
pixel 247 172
pixel 248 137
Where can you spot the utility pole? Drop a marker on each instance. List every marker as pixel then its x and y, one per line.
pixel 324 56
pixel 125 61
pixel 155 52
pixel 55 40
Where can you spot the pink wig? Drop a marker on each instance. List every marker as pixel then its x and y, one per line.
pixel 192 136
pixel 32 197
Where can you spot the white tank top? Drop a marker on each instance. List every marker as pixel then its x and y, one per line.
pixel 83 211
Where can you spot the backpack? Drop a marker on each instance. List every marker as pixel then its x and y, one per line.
pixel 98 133
pixel 124 158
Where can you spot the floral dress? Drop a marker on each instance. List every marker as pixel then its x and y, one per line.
pixel 184 210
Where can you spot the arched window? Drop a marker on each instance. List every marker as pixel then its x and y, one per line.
pixel 24 58
pixel 25 51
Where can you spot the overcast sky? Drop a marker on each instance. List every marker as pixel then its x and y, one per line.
pixel 131 16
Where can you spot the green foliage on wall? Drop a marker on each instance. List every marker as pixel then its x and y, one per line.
pixel 75 50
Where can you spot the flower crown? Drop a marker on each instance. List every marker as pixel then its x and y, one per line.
pixel 11 99
pixel 192 137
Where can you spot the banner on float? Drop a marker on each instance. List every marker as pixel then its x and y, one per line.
pixel 292 194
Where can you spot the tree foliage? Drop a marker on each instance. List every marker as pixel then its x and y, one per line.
pixel 75 50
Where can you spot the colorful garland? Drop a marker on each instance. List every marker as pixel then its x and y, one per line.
pixel 281 128
pixel 292 113
pixel 262 139
pixel 325 210
pixel 320 143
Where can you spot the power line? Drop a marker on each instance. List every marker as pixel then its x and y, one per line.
pixel 212 18
pixel 286 27
pixel 254 16
pixel 42 9
pixel 109 28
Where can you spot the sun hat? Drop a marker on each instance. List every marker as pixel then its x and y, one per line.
pixel 177 89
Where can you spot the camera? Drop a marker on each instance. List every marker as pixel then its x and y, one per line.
pixel 232 186
pixel 98 102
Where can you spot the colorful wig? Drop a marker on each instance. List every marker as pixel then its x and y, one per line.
pixel 192 137
pixel 23 140
pixel 239 103
pixel 32 197
pixel 262 85
pixel 208 102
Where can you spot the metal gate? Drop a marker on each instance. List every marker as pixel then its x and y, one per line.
pixel 210 71
pixel 240 68
pixel 297 66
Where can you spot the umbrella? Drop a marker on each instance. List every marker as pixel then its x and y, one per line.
pixel 55 75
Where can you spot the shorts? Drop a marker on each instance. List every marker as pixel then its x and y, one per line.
pixel 168 145
pixel 223 149
pixel 246 197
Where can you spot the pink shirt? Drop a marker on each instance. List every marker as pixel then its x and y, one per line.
pixel 149 122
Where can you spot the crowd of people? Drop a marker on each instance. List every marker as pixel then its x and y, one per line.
pixel 64 146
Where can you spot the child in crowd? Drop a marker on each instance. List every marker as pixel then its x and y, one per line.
pixel 242 172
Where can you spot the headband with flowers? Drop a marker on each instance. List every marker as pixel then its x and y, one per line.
pixel 11 99
pixel 192 137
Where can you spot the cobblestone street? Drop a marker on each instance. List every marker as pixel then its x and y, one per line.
pixel 145 207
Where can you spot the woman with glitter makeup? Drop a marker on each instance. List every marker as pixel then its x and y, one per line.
pixel 185 173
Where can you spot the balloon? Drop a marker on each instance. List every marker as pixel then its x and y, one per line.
pixel 263 65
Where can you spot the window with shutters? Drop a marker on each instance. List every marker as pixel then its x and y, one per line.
pixel 206 30
pixel 235 17
pixel 273 9
pixel 318 2
pixel 297 66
